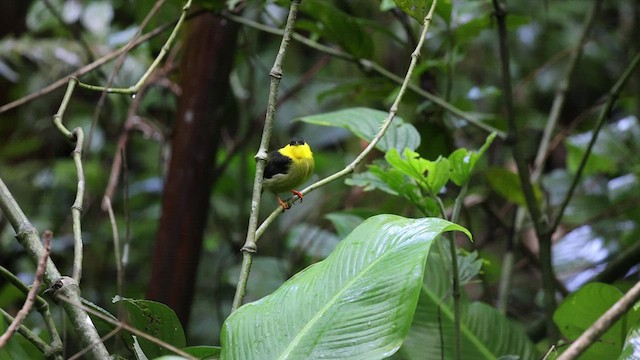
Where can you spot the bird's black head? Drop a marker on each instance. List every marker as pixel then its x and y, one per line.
pixel 296 141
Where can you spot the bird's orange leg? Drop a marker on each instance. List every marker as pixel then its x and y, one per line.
pixel 298 193
pixel 284 205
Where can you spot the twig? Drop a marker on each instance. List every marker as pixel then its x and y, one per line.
pixel 109 335
pixel 76 208
pixel 370 65
pixel 603 324
pixel 133 90
pixel 28 238
pixel 249 247
pixel 604 114
pixel 118 65
pixel 561 92
pixel 383 128
pixel 544 237
pixel 31 297
pixel 116 249
pixel 83 70
pixel 46 349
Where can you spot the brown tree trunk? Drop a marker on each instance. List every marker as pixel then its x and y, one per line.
pixel 203 112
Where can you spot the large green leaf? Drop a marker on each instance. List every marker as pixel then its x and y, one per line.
pixel 582 308
pixel 486 334
pixel 365 124
pixel 356 304
pixel 417 9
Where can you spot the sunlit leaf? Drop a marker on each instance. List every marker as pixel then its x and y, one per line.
pixel 462 161
pixel 356 304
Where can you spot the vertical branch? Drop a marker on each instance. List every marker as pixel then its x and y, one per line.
pixel 544 237
pixel 76 208
pixel 249 247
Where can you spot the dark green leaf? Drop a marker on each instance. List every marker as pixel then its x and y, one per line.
pixel 417 9
pixel 356 304
pixel 157 320
pixel 581 309
pixel 365 124
pixel 344 223
pixel 204 352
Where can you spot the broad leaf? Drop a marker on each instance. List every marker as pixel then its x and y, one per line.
pixel 356 304
pixel 155 319
pixel 582 308
pixel 433 175
pixel 486 334
pixel 203 352
pixel 344 222
pixel 365 124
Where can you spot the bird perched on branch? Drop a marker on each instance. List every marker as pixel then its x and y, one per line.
pixel 288 168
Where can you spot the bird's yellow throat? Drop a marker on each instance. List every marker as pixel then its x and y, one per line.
pixel 297 152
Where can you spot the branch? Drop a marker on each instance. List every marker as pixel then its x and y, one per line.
pixel 28 237
pixel 249 247
pixel 370 65
pixel 593 333
pixel 544 237
pixel 604 114
pixel 31 297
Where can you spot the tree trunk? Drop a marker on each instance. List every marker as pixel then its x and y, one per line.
pixel 203 112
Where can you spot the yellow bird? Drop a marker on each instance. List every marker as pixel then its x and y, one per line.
pixel 288 168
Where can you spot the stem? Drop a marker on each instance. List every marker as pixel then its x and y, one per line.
pixel 250 247
pixel 371 65
pixel 544 237
pixel 604 114
pixel 383 128
pixel 133 90
pixel 76 208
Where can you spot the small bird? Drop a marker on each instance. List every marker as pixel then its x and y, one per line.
pixel 287 168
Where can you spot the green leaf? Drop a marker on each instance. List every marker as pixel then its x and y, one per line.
pixel 581 309
pixel 155 319
pixel 507 185
pixel 356 304
pixel 462 161
pixel 365 124
pixel 431 174
pixel 417 9
pixel 486 334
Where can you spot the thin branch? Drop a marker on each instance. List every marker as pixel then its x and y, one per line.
pixel 249 247
pixel 118 65
pixel 604 322
pixel 46 349
pixel 561 92
pixel 544 237
pixel 384 126
pixel 133 90
pixel 371 65
pixel 76 208
pixel 89 67
pixel 31 297
pixel 28 238
pixel 604 114
pixel 116 249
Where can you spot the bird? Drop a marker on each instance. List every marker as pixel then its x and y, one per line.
pixel 287 168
